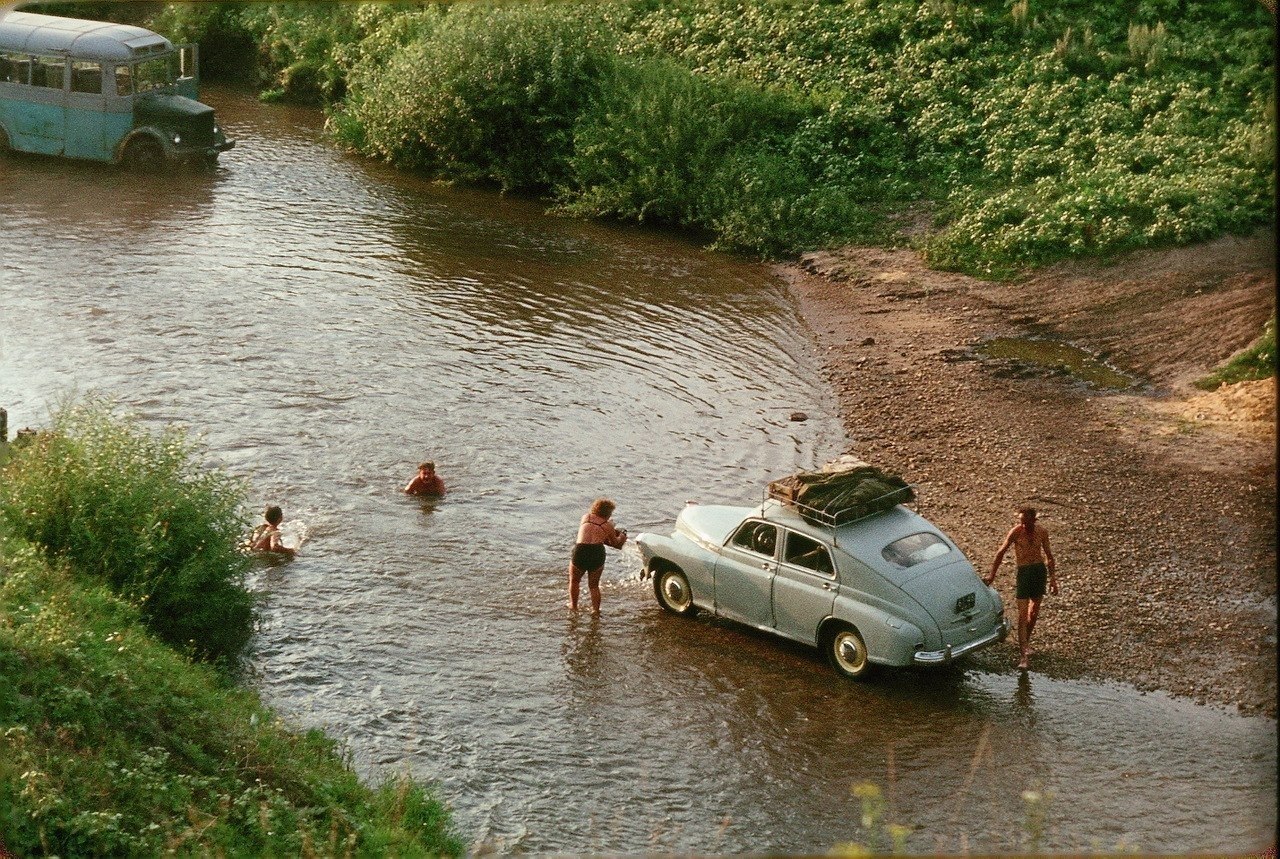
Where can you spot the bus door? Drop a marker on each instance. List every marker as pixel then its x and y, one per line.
pixel 187 77
pixel 86 112
pixel 40 118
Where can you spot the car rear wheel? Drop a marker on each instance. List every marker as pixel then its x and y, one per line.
pixel 144 156
pixel 848 653
pixel 671 587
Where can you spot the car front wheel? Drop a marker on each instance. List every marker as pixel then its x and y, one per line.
pixel 144 156
pixel 671 587
pixel 848 653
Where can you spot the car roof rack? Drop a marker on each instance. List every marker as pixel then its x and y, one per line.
pixel 848 515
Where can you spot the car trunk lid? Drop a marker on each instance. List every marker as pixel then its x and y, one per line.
pixel 954 597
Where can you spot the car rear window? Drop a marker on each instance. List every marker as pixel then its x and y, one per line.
pixel 914 549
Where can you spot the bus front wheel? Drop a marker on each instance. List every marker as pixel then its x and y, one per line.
pixel 144 156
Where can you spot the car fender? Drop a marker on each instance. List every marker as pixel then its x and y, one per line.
pixel 890 639
pixel 151 131
pixel 678 550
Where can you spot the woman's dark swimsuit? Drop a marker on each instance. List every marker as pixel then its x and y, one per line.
pixel 588 556
pixel 1031 581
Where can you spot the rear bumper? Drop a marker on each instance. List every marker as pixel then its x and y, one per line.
pixel 949 654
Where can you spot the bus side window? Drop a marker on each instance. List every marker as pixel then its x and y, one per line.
pixel 49 73
pixel 124 81
pixel 86 77
pixel 15 68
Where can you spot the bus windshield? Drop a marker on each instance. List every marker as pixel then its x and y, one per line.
pixel 158 72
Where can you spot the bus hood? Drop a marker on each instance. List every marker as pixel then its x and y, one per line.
pixel 167 106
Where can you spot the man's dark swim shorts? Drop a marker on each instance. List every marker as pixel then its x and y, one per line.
pixel 1031 581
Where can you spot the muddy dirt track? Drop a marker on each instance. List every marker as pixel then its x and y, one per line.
pixel 1160 499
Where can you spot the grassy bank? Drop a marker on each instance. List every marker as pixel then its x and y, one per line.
pixel 1020 133
pixel 122 730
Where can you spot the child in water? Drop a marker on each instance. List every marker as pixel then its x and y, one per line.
pixel 266 537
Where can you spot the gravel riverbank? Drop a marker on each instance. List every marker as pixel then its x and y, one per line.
pixel 1160 499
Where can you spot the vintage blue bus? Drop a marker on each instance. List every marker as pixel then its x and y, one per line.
pixel 103 92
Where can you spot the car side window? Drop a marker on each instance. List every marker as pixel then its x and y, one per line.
pixel 758 537
pixel 808 553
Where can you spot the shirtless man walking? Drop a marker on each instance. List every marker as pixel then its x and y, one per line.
pixel 1035 560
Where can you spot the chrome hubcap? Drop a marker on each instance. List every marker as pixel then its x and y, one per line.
pixel 848 651
pixel 673 587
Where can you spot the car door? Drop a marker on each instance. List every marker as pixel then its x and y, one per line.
pixel 805 587
pixel 744 573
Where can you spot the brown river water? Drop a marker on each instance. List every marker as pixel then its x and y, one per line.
pixel 325 323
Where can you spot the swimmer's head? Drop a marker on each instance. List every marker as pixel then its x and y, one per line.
pixel 273 514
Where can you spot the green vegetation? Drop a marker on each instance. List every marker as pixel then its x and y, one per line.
pixel 113 742
pixel 1027 132
pixel 133 512
pixel 1256 362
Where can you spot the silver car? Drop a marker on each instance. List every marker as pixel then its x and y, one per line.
pixel 886 589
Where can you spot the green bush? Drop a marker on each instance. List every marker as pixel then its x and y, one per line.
pixel 490 95
pixel 1037 132
pixel 653 144
pixel 134 511
pixel 111 744
pixel 227 48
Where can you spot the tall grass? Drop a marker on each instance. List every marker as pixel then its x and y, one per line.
pixel 136 512
pixel 1258 361
pixel 112 744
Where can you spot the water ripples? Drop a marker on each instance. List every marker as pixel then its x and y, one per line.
pixel 325 324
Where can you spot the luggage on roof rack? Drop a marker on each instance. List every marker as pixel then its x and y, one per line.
pixel 833 498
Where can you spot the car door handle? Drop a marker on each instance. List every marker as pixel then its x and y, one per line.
pixel 765 565
pixel 826 586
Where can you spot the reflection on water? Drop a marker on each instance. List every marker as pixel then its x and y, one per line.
pixel 326 324
pixel 1063 357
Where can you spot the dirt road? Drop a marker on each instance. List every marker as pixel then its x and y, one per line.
pixel 1160 499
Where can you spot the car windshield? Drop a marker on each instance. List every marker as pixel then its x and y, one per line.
pixel 914 549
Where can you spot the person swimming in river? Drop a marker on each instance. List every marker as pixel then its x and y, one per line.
pixel 266 537
pixel 426 481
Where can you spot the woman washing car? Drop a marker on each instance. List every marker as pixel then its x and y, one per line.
pixel 596 531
